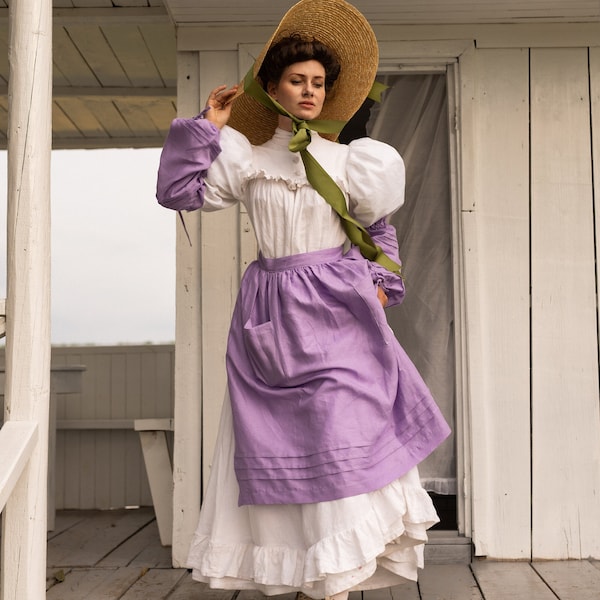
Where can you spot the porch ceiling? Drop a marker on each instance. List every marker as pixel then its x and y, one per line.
pixel 394 11
pixel 115 60
pixel 114 73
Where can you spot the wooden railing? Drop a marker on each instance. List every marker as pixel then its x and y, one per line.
pixel 17 440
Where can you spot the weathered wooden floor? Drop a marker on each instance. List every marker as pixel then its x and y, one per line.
pixel 112 555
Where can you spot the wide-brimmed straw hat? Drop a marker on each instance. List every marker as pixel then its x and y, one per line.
pixel 342 28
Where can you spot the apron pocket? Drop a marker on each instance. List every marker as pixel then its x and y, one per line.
pixel 263 353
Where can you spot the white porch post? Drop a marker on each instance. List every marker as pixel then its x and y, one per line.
pixel 187 481
pixel 27 389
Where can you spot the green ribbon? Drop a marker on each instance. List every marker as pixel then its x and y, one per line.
pixel 376 90
pixel 318 177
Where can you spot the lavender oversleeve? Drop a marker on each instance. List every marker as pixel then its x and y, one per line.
pixel 191 147
pixel 325 402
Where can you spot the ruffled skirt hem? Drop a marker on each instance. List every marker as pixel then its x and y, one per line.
pixel 367 541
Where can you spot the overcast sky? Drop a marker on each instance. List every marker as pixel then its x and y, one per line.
pixel 113 248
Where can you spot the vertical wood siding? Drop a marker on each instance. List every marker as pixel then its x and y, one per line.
pixel 595 128
pixel 104 468
pixel 535 414
pixel 501 446
pixel 564 344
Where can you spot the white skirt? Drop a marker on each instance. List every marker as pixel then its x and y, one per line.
pixel 368 541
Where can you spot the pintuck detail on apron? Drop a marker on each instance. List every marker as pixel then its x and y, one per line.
pixel 312 364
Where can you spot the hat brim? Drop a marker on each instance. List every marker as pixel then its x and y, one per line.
pixel 342 28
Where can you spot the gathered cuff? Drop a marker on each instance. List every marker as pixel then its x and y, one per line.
pixel 384 235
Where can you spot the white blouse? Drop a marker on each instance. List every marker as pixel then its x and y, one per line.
pixel 288 215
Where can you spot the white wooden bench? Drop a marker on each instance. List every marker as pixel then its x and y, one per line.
pixel 157 460
pixel 153 437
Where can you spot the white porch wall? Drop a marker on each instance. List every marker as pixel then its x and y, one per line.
pixel 98 462
pixel 565 415
pixel 531 443
pixel 499 167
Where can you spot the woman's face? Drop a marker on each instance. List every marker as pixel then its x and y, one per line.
pixel 301 89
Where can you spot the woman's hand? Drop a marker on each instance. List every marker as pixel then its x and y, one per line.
pixel 382 296
pixel 219 102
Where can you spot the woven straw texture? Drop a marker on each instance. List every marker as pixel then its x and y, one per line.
pixel 341 27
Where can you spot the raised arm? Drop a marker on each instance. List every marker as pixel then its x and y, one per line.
pixel 189 150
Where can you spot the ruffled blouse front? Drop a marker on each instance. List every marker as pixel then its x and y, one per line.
pixel 288 215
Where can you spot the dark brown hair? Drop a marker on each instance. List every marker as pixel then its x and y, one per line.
pixel 294 49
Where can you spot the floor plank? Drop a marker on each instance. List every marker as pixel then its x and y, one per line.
pixel 96 584
pixel 127 562
pixel 88 542
pixel 405 591
pixel 123 579
pixel 256 595
pixel 55 576
pixel 156 584
pixel 188 589
pixel 448 582
pixel 571 579
pixel 381 594
pixel 510 581
pixel 154 556
pixel 143 549
pixel 65 519
pixel 79 584
pixel 250 595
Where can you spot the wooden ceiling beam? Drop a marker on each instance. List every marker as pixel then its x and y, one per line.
pixel 103 16
pixel 114 92
pixel 83 143
pixel 106 93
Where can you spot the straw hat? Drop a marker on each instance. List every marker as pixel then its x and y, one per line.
pixel 342 28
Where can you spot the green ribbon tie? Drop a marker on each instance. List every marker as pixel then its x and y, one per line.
pixel 318 177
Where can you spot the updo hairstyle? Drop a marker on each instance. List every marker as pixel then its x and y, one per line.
pixel 294 49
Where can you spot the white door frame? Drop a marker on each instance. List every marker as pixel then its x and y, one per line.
pixel 410 57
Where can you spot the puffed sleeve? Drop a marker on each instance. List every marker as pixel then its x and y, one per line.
pixel 375 175
pixel 226 178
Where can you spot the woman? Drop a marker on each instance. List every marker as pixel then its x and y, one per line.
pixel 314 486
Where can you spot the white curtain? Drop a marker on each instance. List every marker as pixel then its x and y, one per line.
pixel 413 118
